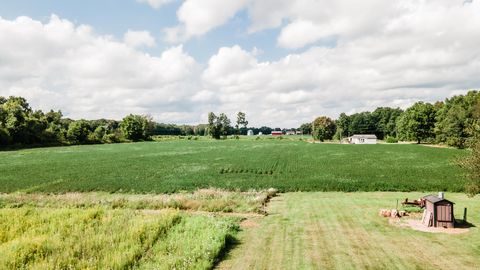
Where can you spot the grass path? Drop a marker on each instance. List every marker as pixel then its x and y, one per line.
pixel 344 231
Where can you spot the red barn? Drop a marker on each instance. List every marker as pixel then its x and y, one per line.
pixel 277 133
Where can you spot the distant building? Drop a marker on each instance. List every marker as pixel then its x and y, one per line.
pixel 362 139
pixel 260 133
pixel 290 132
pixel 250 132
pixel 277 133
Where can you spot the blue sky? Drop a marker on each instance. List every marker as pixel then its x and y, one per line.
pixel 282 62
pixel 110 17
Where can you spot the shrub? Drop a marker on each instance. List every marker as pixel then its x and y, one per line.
pixel 111 138
pixel 391 139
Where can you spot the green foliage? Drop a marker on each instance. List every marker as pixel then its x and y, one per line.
pixel 391 139
pixel 78 132
pixel 306 128
pixel 417 122
pixel 288 165
pixel 135 127
pixel 323 128
pixel 458 119
pixel 241 122
pixel 471 163
pixel 5 138
pixel 386 121
pixel 218 126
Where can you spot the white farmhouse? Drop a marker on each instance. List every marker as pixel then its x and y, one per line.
pixel 362 139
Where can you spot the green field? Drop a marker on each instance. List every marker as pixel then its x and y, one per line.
pixel 288 165
pixel 332 230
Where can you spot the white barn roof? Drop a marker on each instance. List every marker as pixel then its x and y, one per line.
pixel 364 136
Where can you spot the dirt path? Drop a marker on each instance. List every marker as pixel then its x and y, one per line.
pixel 343 231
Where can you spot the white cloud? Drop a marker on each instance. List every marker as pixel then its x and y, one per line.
pixel 138 39
pixel 382 53
pixel 155 3
pixel 197 17
pixel 60 65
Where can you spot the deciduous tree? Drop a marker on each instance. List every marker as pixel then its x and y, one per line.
pixel 323 128
pixel 135 127
pixel 417 122
pixel 472 165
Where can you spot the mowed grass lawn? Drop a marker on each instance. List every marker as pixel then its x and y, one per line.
pixel 287 165
pixel 332 230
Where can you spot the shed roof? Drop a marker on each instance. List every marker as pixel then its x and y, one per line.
pixel 434 199
pixel 365 136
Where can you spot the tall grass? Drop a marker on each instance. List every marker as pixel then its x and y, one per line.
pixel 195 243
pixel 212 200
pixel 78 239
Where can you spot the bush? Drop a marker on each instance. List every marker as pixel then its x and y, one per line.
pixel 111 138
pixel 391 139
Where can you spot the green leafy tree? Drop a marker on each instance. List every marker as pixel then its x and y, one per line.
pixel 224 124
pixel 98 135
pixel 385 121
pixel 15 113
pixel 241 122
pixel 55 131
pixel 306 128
pixel 78 132
pixel 135 127
pixel 417 122
pixel 218 126
pixel 472 165
pixel 457 119
pixel 213 128
pixel 323 128
pixel 343 126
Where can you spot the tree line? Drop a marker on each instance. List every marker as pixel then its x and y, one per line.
pixel 20 125
pixel 454 122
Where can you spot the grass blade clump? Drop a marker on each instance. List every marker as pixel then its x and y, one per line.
pixel 195 243
pixel 78 238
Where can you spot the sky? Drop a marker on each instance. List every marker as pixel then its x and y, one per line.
pixel 281 62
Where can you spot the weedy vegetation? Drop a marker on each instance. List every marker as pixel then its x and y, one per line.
pixel 211 200
pixel 45 238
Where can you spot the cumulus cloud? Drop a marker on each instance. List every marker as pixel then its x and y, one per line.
pixel 197 17
pixel 385 53
pixel 155 3
pixel 60 65
pixel 138 39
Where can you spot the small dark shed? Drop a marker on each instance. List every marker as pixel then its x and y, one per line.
pixel 438 212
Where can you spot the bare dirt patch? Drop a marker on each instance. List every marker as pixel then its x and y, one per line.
pixel 417 225
pixel 248 223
